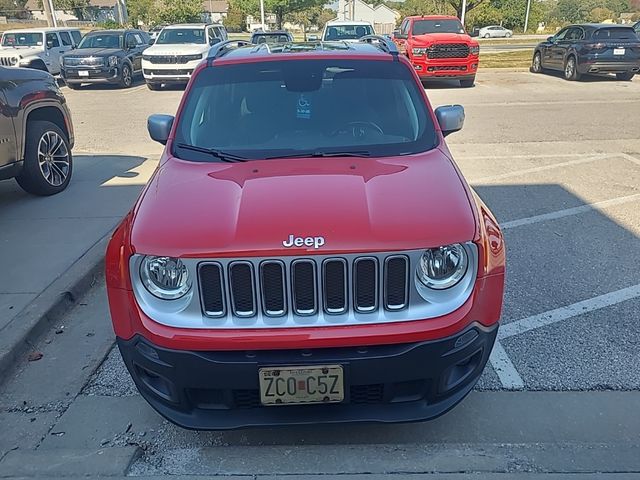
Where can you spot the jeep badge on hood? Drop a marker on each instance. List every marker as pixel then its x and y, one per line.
pixel 315 242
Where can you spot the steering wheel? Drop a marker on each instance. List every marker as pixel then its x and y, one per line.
pixel 357 129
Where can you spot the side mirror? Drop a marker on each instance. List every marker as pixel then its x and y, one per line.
pixel 159 127
pixel 312 38
pixel 396 32
pixel 214 40
pixel 151 41
pixel 49 44
pixel 549 39
pixel 450 118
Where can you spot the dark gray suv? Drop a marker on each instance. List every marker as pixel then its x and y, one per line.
pixel 36 133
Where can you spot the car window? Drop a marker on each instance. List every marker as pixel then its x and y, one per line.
pixel 52 40
pixel 102 40
pixel 347 32
pixel 574 33
pixel 66 39
pixel 561 34
pixel 270 38
pixel 21 39
pixel 404 29
pixel 77 36
pixel 267 109
pixel 181 35
pixel 618 33
pixel 420 27
pixel 138 38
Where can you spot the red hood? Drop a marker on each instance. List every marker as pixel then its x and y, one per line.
pixel 356 204
pixel 431 38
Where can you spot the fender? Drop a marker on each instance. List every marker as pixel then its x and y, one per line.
pixel 23 115
pixel 36 63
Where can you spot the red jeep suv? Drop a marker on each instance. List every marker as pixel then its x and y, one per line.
pixel 439 48
pixel 307 250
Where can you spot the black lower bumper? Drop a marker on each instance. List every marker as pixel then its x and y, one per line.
pixel 95 75
pixel 444 76
pixel 388 383
pixel 609 67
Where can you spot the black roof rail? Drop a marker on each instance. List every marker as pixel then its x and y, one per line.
pixel 383 43
pixel 219 49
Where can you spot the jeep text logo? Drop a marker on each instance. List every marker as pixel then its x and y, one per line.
pixel 315 242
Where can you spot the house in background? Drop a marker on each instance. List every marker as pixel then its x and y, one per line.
pixel 382 18
pixel 97 11
pixel 214 11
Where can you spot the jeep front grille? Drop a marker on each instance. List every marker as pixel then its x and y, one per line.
pixel 8 61
pixel 304 287
pixel 448 50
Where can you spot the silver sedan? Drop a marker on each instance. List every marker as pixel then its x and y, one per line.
pixel 495 31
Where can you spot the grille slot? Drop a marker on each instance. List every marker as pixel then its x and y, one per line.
pixel 335 286
pixel 396 294
pixel 246 398
pixel 303 281
pixel 448 50
pixel 366 394
pixel 212 289
pixel 272 279
pixel 242 289
pixel 365 284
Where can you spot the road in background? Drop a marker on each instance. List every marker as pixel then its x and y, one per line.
pixel 559 168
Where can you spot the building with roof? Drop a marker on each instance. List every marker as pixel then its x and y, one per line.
pixel 383 18
pixel 96 11
pixel 214 11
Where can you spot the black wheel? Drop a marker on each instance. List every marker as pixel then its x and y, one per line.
pixel 486 35
pixel 625 77
pixel 73 86
pixel 126 76
pixel 509 35
pixel 154 86
pixel 536 63
pixel 571 69
pixel 468 83
pixel 48 163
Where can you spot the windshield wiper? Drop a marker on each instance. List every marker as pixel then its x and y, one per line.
pixel 355 153
pixel 224 156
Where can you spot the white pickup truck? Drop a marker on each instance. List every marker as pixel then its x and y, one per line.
pixel 39 48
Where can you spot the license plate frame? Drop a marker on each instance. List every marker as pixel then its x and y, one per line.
pixel 276 387
pixel 619 51
pixel 83 73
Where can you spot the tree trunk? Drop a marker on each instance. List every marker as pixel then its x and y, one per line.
pixel 279 17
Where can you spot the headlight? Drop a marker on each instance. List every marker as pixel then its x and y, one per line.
pixel 443 267
pixel 474 49
pixel 112 61
pixel 165 277
pixel 146 57
pixel 419 51
pixel 13 60
pixel 190 58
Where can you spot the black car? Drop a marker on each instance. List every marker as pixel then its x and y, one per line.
pixel 105 56
pixel 277 36
pixel 589 49
pixel 36 133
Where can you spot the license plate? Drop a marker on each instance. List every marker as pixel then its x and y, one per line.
pixel 301 385
pixel 83 73
pixel 618 51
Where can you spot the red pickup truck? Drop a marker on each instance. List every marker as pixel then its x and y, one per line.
pixel 439 48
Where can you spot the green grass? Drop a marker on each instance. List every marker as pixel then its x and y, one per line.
pixel 517 59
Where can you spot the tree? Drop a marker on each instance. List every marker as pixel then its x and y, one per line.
pixel 141 11
pixel 12 8
pixel 235 21
pixel 423 7
pixel 179 11
pixel 284 7
pixel 600 14
pixel 317 16
pixel 471 4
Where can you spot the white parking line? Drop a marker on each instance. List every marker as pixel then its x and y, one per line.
pixel 564 313
pixel 134 89
pixel 517 173
pixel 504 368
pixel 631 158
pixel 567 212
pixel 551 155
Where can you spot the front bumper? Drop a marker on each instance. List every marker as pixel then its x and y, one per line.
pixel 94 75
pixel 458 69
pixel 168 73
pixel 383 383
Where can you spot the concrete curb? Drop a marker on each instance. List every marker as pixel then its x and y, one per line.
pixel 49 306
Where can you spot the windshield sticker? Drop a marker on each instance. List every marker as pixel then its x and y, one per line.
pixel 304 107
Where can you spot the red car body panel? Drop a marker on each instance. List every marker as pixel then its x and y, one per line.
pixel 438 67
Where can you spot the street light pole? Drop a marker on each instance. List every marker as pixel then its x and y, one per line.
pixel 526 18
pixel 262 14
pixel 464 11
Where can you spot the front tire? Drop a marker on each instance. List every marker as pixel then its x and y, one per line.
pixel 571 69
pixel 468 83
pixel 486 35
pixel 48 163
pixel 625 77
pixel 73 86
pixel 536 63
pixel 126 76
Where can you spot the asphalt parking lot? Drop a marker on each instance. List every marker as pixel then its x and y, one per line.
pixel 559 164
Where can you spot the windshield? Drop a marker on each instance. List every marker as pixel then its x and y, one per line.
pixel 181 35
pixel 102 40
pixel 21 39
pixel 615 33
pixel 271 38
pixel 310 107
pixel 420 27
pixel 347 32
